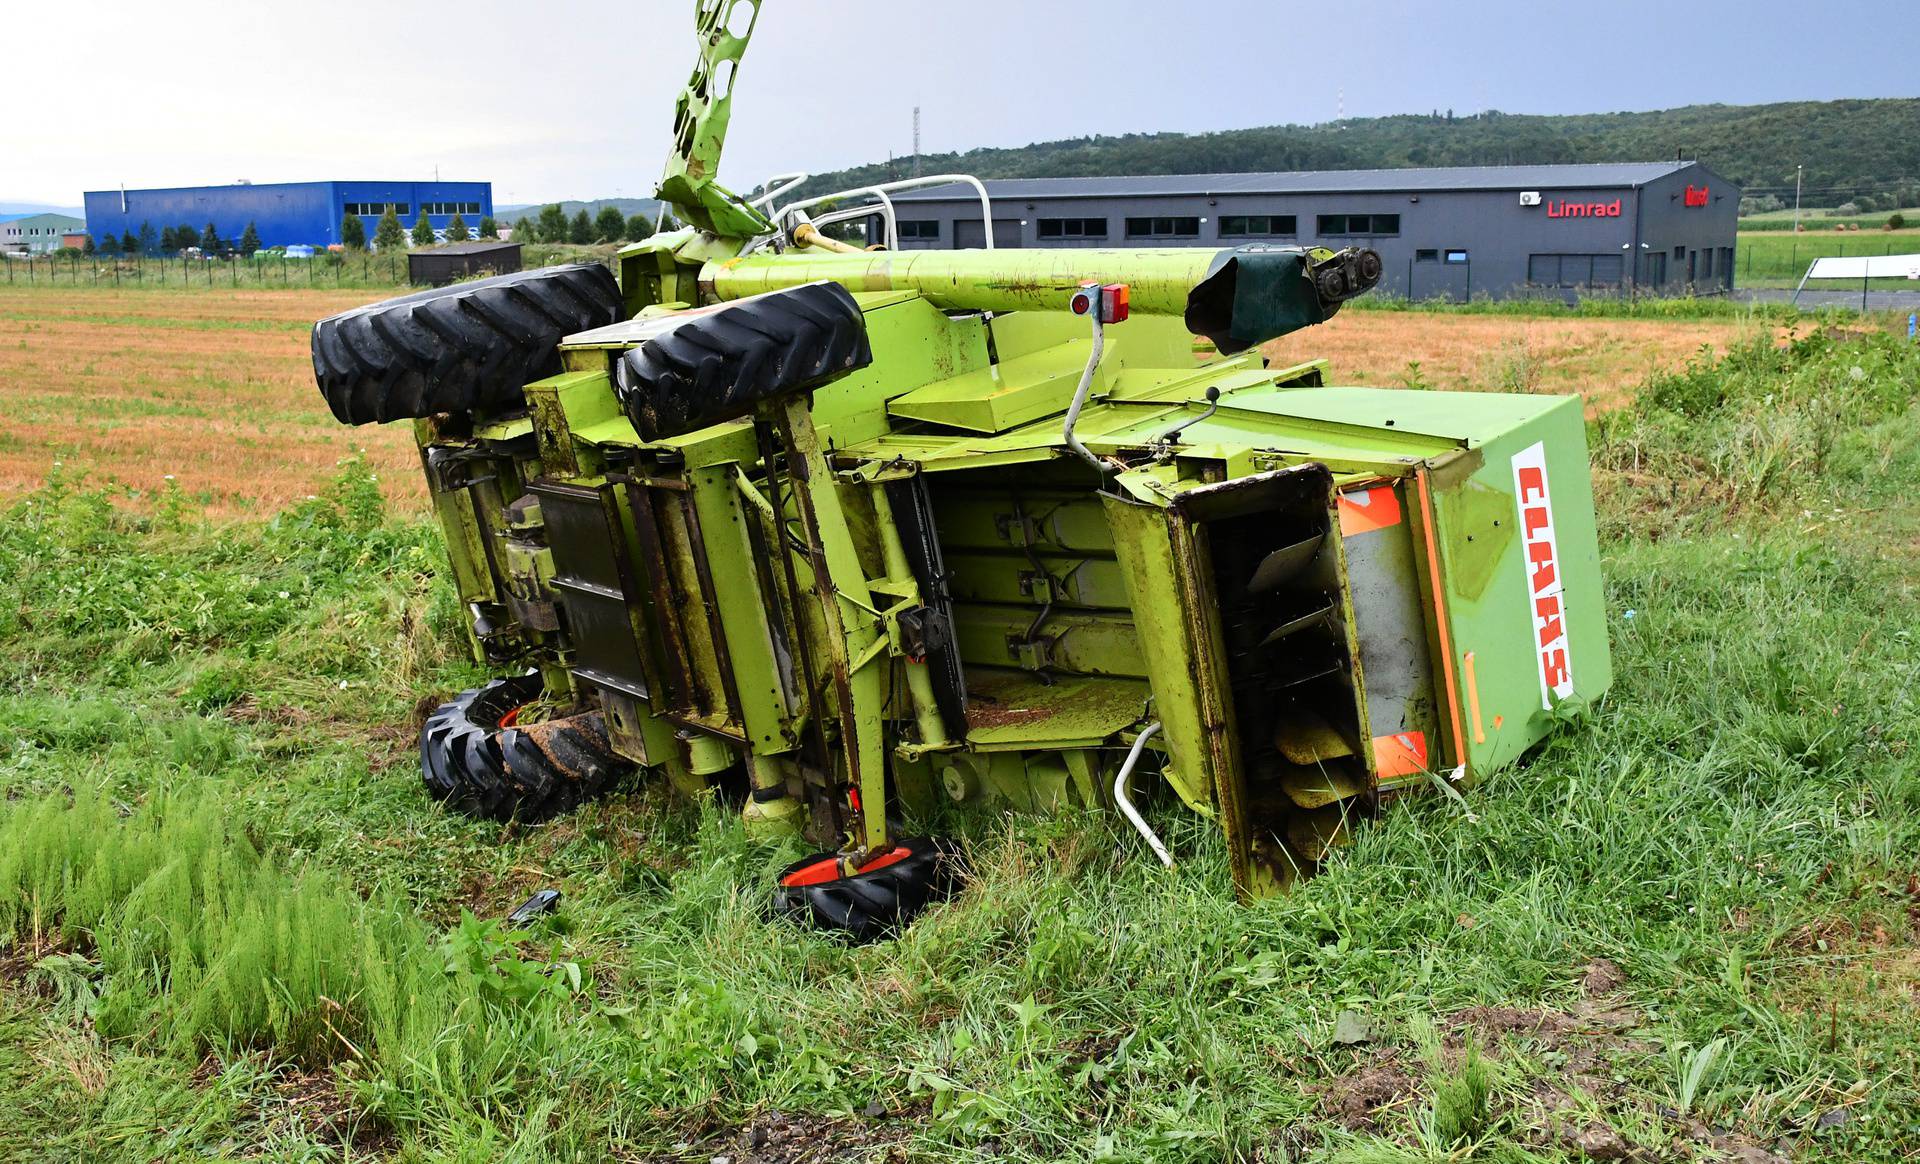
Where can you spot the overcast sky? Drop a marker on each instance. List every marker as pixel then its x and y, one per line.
pixel 573 100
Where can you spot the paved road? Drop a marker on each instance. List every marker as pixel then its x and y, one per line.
pixel 1876 300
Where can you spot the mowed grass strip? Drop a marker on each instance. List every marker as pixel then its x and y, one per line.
pixel 1599 358
pixel 214 389
pixel 210 394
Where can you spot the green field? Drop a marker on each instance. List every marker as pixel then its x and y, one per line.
pixel 1780 258
pixel 1690 925
pixel 1823 220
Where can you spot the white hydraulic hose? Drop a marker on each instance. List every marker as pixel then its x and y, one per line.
pixel 1080 400
pixel 1126 806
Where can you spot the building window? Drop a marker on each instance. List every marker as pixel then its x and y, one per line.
pixel 1573 270
pixel 920 228
pixel 1369 224
pixel 1679 253
pixel 1456 256
pixel 1432 256
pixel 1258 226
pixel 1706 263
pixel 375 209
pixel 1072 228
pixel 1163 228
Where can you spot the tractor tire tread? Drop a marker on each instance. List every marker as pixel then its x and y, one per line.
pixel 532 774
pixel 468 347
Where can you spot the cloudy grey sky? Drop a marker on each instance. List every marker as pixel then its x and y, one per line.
pixel 572 100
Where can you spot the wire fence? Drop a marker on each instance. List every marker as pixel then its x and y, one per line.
pixel 1781 260
pixel 74 269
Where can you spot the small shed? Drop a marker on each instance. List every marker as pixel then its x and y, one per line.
pixel 441 265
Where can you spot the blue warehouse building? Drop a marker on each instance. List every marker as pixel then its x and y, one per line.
pixel 286 213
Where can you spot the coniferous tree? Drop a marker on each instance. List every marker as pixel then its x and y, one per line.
pixel 129 245
pixel 388 234
pixel 488 227
pixel 639 227
pixel 553 224
pixel 210 240
pixel 169 240
pixel 422 231
pixel 582 229
pixel 148 240
pixel 185 236
pixel 109 245
pixel 610 225
pixel 250 239
pixel 353 232
pixel 87 248
pixel 457 229
pixel 526 231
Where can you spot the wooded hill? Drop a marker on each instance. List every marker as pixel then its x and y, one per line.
pixel 1849 148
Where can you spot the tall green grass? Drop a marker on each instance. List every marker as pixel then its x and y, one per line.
pixel 1732 826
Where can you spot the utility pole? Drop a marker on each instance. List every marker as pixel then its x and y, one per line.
pixel 1796 198
pixel 916 141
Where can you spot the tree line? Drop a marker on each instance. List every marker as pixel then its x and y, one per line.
pixel 173 240
pixel 609 226
pixel 390 235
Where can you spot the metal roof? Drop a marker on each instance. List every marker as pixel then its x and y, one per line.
pixel 1583 176
pixel 477 247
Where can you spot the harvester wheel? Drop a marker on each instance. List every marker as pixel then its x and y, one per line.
pixel 466 347
pixel 474 756
pixel 878 900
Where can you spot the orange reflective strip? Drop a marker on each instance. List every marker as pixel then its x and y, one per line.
pixel 1440 614
pixel 1473 701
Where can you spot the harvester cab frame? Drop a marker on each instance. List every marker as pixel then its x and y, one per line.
pixel 853 533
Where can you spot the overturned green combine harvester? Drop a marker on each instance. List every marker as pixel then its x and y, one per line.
pixel 856 530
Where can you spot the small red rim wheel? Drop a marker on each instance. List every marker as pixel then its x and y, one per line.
pixel 878 899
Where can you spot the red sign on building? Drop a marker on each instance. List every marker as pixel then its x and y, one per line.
pixel 1565 209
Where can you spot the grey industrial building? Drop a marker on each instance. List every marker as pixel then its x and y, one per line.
pixel 1450 232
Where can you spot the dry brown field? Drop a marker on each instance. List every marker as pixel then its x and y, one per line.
pixel 214 388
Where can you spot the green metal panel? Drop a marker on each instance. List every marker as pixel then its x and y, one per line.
pixel 742 609
pixel 1506 614
pixel 1012 710
pixel 1170 644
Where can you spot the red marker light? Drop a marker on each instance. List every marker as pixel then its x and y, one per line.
pixel 1113 303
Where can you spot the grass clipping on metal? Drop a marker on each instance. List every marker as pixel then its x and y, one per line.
pixel 1687 928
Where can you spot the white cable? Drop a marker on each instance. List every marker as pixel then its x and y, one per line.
pixel 1126 806
pixel 1080 397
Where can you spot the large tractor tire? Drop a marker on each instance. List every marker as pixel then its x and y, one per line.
pixel 876 901
pixel 463 348
pixel 481 762
pixel 717 363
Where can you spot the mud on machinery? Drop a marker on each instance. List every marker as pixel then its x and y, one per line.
pixel 854 530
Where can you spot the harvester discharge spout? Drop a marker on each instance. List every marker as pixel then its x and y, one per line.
pixel 1238 297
